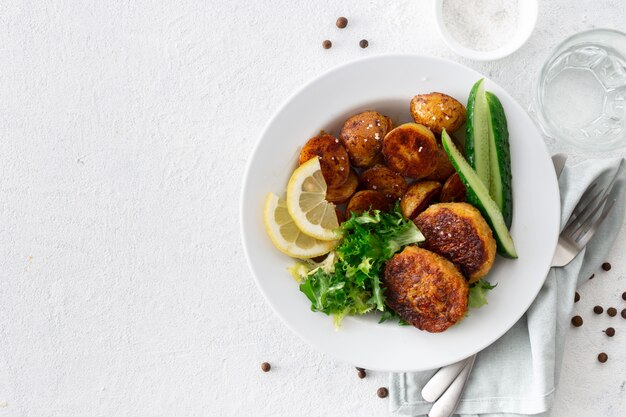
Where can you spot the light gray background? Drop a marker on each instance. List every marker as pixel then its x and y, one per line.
pixel 125 127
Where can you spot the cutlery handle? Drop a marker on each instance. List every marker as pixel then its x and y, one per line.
pixel 447 403
pixel 439 382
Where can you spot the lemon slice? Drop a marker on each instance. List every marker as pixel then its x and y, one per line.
pixel 285 234
pixel 306 201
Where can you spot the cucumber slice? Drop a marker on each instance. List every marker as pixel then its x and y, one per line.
pixel 500 188
pixel 484 202
pixel 477 133
pixel 487 148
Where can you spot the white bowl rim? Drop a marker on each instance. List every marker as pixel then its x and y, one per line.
pixel 526 29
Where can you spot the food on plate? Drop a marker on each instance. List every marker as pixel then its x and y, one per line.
pixel 362 136
pixel 366 200
pixel 453 190
pixel 366 240
pixel 425 289
pixel 411 150
pixel 341 215
pixel 487 148
pixel 348 281
pixel 307 205
pixel 438 111
pixel 458 232
pixel 286 236
pixel 332 155
pixel 387 182
pixel 482 200
pixel 443 167
pixel 343 192
pixel 418 196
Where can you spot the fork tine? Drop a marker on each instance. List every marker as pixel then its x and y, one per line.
pixel 586 198
pixel 589 217
pixel 584 201
pixel 583 240
pixel 583 216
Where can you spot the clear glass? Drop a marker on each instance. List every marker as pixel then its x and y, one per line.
pixel 580 96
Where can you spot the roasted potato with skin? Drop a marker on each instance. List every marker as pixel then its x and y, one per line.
pixel 418 196
pixel 362 136
pixel 367 200
pixel 438 111
pixel 334 159
pixel 459 233
pixel 380 178
pixel 343 192
pixel 411 150
pixel 341 215
pixel 425 289
pixel 443 166
pixel 453 190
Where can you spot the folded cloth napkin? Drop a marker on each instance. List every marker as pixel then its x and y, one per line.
pixel 519 373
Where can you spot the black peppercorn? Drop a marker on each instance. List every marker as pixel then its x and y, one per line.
pixel 342 22
pixel 327 44
pixel 364 43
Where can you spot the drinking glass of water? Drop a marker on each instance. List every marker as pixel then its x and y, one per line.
pixel 580 96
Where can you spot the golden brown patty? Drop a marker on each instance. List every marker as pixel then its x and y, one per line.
pixel 425 289
pixel 459 233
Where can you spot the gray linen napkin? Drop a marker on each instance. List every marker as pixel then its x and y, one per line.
pixel 519 373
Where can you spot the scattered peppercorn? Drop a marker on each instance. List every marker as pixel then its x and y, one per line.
pixel 342 22
pixel 363 43
pixel 624 313
pixel 265 367
pixel 612 311
pixel 624 295
pixel 602 357
pixel 361 374
pixel 327 44
pixel 610 332
pixel 382 392
pixel 577 321
pixel 606 266
pixel 592 275
pixel 576 297
pixel 598 310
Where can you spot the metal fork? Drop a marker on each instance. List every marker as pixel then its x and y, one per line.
pixel 447 385
pixel 586 218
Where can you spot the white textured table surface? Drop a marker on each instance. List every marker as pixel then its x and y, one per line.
pixel 125 127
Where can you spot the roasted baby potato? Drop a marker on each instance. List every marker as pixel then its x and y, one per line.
pixel 341 215
pixel 380 178
pixel 343 192
pixel 367 200
pixel 411 150
pixel 453 190
pixel 443 166
pixel 459 233
pixel 362 136
pixel 333 157
pixel 438 111
pixel 425 289
pixel 417 197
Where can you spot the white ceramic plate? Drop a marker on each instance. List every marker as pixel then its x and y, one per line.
pixel 387 83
